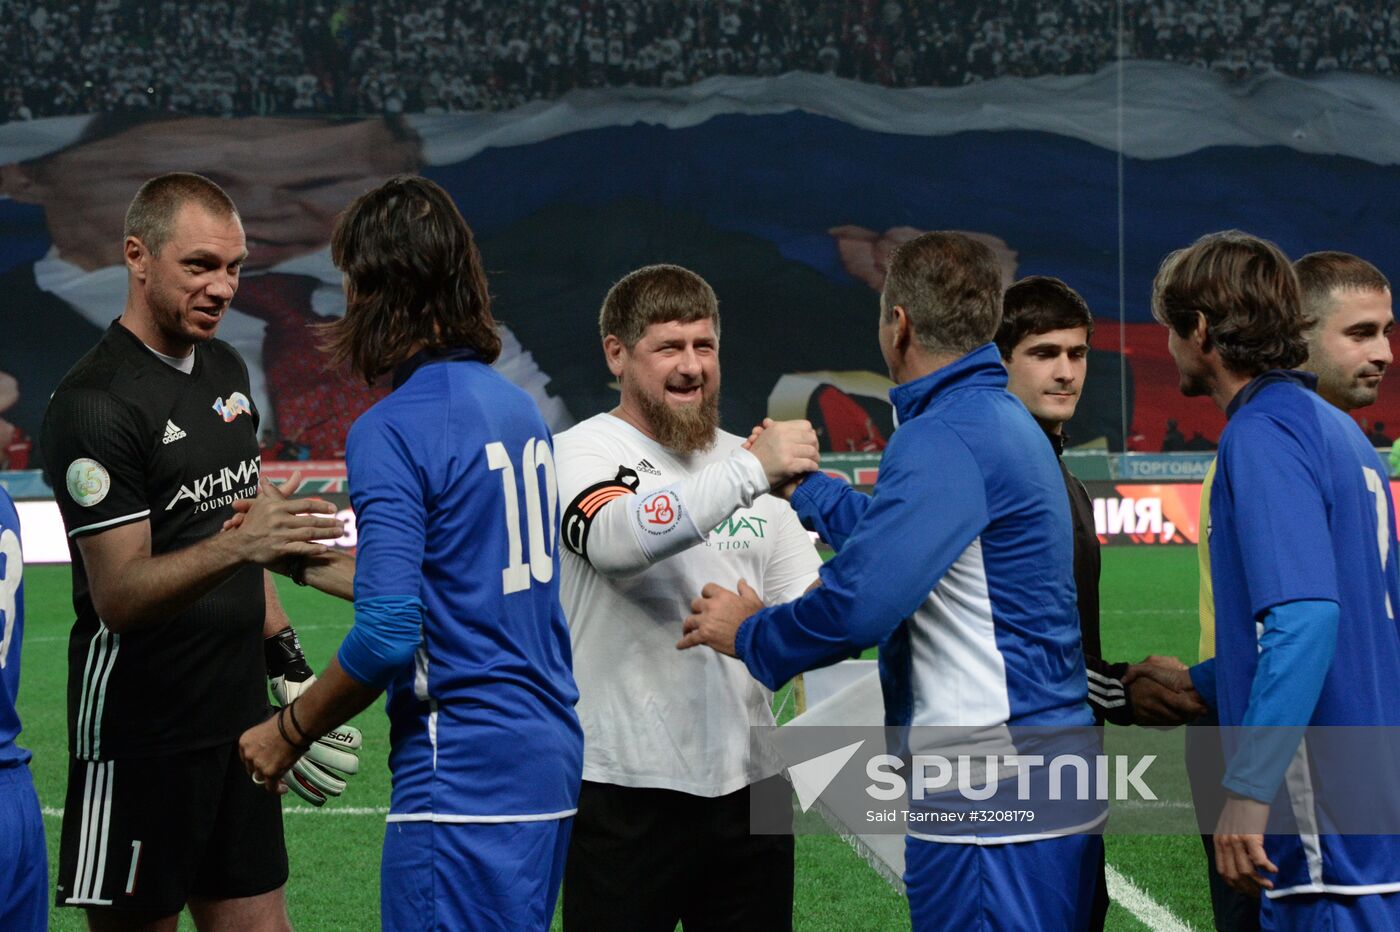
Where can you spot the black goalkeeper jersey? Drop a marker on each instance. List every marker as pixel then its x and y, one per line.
pixel 129 438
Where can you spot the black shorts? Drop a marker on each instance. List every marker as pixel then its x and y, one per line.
pixel 148 833
pixel 645 859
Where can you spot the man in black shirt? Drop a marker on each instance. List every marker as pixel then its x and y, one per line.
pixel 1044 342
pixel 153 435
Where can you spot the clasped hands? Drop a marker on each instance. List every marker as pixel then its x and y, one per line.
pixel 315 533
pixel 788 451
pixel 1161 692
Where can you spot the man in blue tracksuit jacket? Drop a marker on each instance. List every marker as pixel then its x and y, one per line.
pixel 960 566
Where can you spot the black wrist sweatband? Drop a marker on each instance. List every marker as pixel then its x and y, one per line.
pixel 283 656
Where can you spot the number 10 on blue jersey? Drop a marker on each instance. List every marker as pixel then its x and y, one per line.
pixel 541 497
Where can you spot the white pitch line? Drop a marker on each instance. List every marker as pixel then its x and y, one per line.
pixel 1135 900
pixel 53 813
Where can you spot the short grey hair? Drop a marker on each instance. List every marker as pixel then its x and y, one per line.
pixel 949 285
pixel 151 215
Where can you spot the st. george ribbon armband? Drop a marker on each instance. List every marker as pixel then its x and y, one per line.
pixel 578 517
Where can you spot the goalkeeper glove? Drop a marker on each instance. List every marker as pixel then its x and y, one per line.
pixel 318 774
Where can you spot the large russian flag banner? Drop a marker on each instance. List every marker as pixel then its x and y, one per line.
pixel 786 193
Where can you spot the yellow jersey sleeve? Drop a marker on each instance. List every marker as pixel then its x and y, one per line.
pixel 1206 649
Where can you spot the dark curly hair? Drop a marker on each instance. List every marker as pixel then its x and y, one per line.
pixel 413 278
pixel 1246 289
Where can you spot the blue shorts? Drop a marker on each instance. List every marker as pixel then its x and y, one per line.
pixel 1021 886
pixel 472 876
pixel 24 858
pixel 1330 912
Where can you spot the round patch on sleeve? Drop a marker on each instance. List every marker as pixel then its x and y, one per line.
pixel 659 512
pixel 88 481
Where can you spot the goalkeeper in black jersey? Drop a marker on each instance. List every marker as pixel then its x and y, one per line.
pixel 149 440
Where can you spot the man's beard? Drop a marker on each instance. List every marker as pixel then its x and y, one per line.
pixel 1358 394
pixel 690 429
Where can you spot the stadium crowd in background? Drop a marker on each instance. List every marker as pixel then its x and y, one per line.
pixel 260 57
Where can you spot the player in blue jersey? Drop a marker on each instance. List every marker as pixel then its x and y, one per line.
pixel 960 566
pixel 455 585
pixel 1303 564
pixel 24 866
pixel 1348 304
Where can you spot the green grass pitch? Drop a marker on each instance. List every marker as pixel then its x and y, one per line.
pixel 1149 598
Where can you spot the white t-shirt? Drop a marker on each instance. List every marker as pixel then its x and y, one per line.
pixel 654 716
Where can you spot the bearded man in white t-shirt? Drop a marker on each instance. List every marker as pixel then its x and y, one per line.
pixel 662 502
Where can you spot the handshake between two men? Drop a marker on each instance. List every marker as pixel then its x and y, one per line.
pixel 1160 693
pixel 1156 692
pixel 313 767
pixel 789 452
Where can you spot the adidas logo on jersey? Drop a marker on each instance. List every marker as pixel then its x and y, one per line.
pixel 172 433
pixel 646 467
